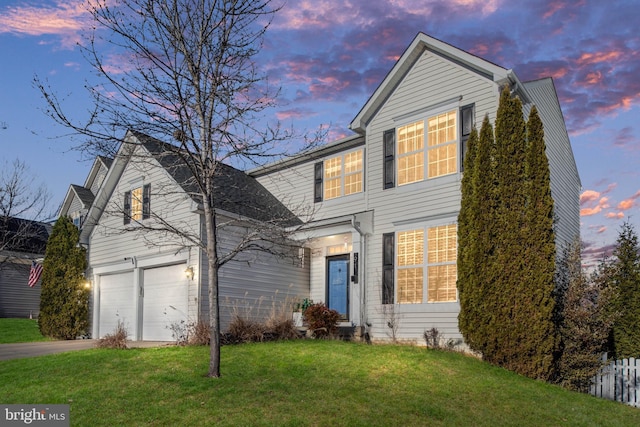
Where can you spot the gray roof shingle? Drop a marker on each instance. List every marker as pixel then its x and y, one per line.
pixel 235 191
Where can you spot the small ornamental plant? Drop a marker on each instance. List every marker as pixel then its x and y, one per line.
pixel 322 320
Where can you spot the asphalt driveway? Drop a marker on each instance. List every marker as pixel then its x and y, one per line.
pixel 32 349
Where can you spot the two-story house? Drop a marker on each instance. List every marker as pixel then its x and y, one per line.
pixel 387 198
pixel 382 245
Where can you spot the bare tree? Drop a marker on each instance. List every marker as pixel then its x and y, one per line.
pixel 23 203
pixel 186 69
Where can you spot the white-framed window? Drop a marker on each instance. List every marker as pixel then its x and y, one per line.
pixel 339 176
pixel 78 220
pixel 425 153
pixel 433 276
pixel 137 203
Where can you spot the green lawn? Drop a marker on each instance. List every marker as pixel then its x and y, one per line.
pixel 19 330
pixel 297 383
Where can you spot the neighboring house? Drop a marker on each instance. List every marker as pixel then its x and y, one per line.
pixel 153 281
pixel 79 199
pixel 22 241
pixel 387 198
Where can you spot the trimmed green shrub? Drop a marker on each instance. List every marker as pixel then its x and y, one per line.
pixel 64 300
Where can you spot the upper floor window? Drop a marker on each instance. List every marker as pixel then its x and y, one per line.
pixel 413 153
pixel 137 204
pixel 78 219
pixel 339 176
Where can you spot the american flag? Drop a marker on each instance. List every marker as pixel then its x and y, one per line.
pixel 35 273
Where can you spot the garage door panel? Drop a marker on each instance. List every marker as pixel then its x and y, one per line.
pixel 116 303
pixel 165 301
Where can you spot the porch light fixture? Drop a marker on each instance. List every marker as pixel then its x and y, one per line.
pixel 189 273
pixel 87 284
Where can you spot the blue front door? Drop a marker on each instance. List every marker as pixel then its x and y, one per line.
pixel 338 285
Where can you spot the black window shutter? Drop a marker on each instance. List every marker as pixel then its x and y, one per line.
pixel 388 249
pixel 127 207
pixel 466 125
pixel 317 182
pixel 146 201
pixel 389 158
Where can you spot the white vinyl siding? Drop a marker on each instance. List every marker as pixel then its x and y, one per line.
pixel 565 181
pixel 431 81
pixel 108 241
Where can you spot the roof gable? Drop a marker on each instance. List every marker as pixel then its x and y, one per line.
pixel 237 192
pixel 418 46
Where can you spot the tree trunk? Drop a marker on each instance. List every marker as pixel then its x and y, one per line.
pixel 214 305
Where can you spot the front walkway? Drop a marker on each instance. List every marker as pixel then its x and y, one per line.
pixel 33 349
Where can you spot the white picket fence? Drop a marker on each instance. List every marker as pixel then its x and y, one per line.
pixel 620 381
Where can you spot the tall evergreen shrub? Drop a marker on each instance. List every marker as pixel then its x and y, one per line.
pixel 586 322
pixel 64 300
pixel 625 279
pixel 507 306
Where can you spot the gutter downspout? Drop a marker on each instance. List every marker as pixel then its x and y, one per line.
pixel 362 282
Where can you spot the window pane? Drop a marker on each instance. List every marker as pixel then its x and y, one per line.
pixel 442 128
pixel 442 244
pixel 353 183
pixel 353 162
pixel 410 247
pixel 332 188
pixel 410 285
pixel 136 204
pixel 442 160
pixel 332 167
pixel 442 283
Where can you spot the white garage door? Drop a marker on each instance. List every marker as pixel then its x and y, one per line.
pixel 116 303
pixel 165 301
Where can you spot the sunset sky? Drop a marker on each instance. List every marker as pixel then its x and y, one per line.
pixel 329 56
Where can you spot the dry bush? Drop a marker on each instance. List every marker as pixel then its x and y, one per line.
pixel 243 330
pixel 200 334
pixel 249 323
pixel 116 339
pixel 192 333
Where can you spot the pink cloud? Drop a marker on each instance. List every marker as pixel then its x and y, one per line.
pixel 589 196
pixel 614 215
pixel 593 78
pixel 64 19
pixel 294 113
pixel 625 138
pixel 552 8
pixel 626 204
pixel 603 203
pixel 589 58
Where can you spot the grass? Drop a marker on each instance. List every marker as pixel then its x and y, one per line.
pixel 20 330
pixel 297 383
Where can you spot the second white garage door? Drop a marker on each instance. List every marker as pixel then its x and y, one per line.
pixel 165 301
